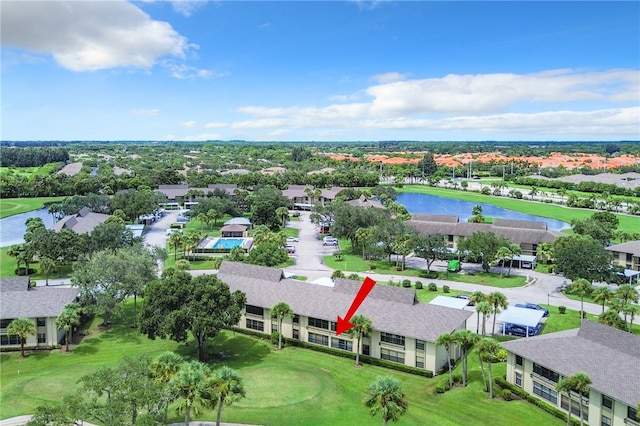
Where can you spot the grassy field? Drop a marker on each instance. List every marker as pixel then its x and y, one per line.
pixel 293 387
pixel 565 214
pixel 11 206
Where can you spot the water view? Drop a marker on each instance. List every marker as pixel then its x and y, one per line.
pixel 431 204
pixel 12 228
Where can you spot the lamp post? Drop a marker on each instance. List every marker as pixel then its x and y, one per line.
pixel 548 295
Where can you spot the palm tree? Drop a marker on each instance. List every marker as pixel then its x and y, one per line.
pixel 227 387
pixel 485 309
pixel 203 219
pixel 362 327
pixel 498 301
pixel 545 252
pixel 565 385
pixel 68 318
pixel 631 310
pixel 176 240
pixel 47 264
pixel 611 317
pixel 23 328
pixel 602 295
pixel 283 214
pixel 213 215
pixel 581 383
pixel 385 396
pixel 465 341
pixel 279 311
pixel 190 387
pixel 162 372
pixel 362 235
pixel 490 351
pixel 582 287
pixel 446 340
pixel 475 299
pixel 514 250
pixel 627 293
pixel 502 255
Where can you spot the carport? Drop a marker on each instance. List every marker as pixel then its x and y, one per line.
pixel 521 316
pixel 524 261
pixel 449 302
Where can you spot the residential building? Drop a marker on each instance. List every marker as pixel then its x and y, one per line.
pixel 610 357
pixel 527 234
pixel 404 329
pixel 41 304
pixel 366 202
pixel 82 222
pixel 626 255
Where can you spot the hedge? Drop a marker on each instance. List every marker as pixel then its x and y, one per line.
pixel 502 382
pixel 344 354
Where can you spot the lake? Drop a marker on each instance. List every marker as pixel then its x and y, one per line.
pixel 431 204
pixel 12 228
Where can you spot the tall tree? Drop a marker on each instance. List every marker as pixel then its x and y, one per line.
pixel 431 247
pixel 485 309
pixel 279 311
pixel 67 320
pixel 583 288
pixel 176 240
pixel 483 246
pixel 447 340
pixel 490 351
pixel 602 295
pixel 191 387
pixel 385 396
pixel 465 340
pixel 163 370
pixel 227 387
pixel 581 383
pixel 23 328
pixel 362 327
pixel 498 302
pixel 581 257
pixel 283 215
pixel 179 303
pixel 565 385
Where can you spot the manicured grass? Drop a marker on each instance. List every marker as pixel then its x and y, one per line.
pixel 11 206
pixel 565 214
pixel 8 266
pixel 293 387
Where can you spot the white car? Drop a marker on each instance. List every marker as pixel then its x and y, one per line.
pixel 329 241
pixel 292 240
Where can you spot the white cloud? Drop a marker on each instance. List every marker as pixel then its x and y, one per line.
pixel 189 124
pixel 183 71
pixel 145 112
pixel 187 7
pixel 90 35
pixel 214 125
pixel 388 77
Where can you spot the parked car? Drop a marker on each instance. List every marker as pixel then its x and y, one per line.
pixel 329 241
pixel 533 306
pixel 467 297
pixel 521 330
pixel 291 240
pixel 290 249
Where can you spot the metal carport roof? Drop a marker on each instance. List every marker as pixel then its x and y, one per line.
pixel 449 302
pixel 521 316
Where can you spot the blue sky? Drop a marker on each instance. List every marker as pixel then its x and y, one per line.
pixel 311 70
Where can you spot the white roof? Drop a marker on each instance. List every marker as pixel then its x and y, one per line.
pixel 449 302
pixel 238 221
pixel 521 316
pixel 524 258
pixel 325 281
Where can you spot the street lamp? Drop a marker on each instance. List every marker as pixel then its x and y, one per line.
pixel 548 295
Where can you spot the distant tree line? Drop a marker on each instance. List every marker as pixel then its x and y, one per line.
pixel 32 157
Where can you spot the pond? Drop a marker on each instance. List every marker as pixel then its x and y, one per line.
pixel 431 204
pixel 12 228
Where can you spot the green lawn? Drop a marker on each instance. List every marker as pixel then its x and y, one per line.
pixel 11 206
pixel 565 214
pixel 293 387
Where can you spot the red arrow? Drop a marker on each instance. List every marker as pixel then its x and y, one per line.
pixel 344 324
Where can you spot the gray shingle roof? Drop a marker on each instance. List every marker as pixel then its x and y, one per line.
pixel 18 302
pixel 233 228
pixel 417 320
pixel 81 223
pixel 609 356
pixel 632 247
pixel 512 223
pixel 436 218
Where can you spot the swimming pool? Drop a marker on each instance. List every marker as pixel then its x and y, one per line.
pixel 227 243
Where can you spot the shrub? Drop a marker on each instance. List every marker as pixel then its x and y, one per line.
pixel 506 395
pixel 419 285
pixel 406 283
pixel 274 338
pixel 354 277
pixel 457 378
pixel 442 388
pixel 445 289
pixel 337 274
pixel 372 267
pixel 433 287
pixel 562 309
pixel 296 214
pixel 216 262
pixel 23 271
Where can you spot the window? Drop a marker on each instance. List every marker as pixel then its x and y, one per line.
pixel 394 339
pixel 366 349
pixel 420 345
pixel 607 402
pixel 41 322
pixel 390 355
pixel 632 413
pixel 575 406
pixel 254 310
pixel 318 323
pixel 42 338
pixel 518 379
pixel 545 393
pixel 606 421
pixel 296 333
pixel 345 345
pixel 546 373
pixel 255 325
pixel 9 340
pixel 318 339
pixel 450 238
pixel 296 319
pixel 420 361
pixel 5 323
pixel 274 327
pixel 519 360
